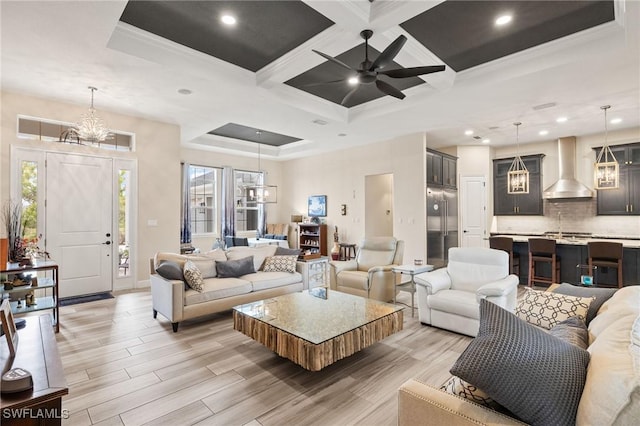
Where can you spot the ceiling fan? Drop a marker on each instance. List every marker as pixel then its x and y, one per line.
pixel 368 71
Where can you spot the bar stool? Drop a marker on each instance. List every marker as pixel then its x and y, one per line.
pixel 606 255
pixel 347 251
pixel 543 250
pixel 506 244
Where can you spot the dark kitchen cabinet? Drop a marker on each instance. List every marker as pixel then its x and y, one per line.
pixel 441 169
pixel 518 204
pixel 624 200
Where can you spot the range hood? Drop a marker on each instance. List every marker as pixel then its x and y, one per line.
pixel 567 185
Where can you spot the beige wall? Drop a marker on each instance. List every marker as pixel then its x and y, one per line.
pixel 341 175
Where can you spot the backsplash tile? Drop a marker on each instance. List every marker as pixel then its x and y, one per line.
pixel 572 216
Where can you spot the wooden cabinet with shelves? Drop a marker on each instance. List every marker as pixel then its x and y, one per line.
pixel 441 169
pixel 45 292
pixel 624 200
pixel 313 237
pixel 518 204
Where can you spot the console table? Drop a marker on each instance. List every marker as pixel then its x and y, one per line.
pixel 37 352
pixel 42 301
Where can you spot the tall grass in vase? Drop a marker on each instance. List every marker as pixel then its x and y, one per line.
pixel 12 218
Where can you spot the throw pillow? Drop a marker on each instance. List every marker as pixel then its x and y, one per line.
pixel 170 270
pixel 536 376
pixel 572 330
pixel 192 276
pixel 235 268
pixel 601 295
pixel 281 251
pixel 280 264
pixel 546 309
pixel 205 264
pixel 457 386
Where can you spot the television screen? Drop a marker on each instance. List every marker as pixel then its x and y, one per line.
pixel 317 206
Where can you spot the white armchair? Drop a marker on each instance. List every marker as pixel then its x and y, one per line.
pixel 369 274
pixel 450 297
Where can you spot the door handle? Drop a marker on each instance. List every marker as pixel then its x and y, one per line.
pixel 107 243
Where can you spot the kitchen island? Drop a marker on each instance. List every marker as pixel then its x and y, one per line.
pixel 572 250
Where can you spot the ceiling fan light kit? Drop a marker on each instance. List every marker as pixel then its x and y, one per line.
pixel 368 72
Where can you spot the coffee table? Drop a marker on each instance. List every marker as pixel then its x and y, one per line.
pixel 317 327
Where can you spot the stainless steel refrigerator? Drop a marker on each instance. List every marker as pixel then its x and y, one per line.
pixel 442 224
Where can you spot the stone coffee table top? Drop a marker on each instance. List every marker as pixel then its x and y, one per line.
pixel 317 327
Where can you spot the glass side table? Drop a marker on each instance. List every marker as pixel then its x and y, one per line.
pixel 408 286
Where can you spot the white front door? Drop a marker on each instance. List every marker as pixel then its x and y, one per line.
pixel 474 211
pixel 78 221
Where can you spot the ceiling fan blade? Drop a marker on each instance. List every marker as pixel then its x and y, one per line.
pixel 387 55
pixel 389 89
pixel 412 72
pixel 348 95
pixel 334 60
pixel 321 83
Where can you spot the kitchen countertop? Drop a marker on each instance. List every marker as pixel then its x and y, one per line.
pixel 577 241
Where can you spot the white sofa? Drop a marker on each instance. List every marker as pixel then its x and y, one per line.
pixel 177 302
pixel 449 297
pixel 611 395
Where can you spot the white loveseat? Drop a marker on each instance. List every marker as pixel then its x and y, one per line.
pixel 177 302
pixel 450 297
pixel 611 394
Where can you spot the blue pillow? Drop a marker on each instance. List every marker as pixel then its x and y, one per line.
pixel 235 268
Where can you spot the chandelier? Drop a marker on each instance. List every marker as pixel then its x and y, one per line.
pixel 518 175
pixel 261 193
pixel 606 173
pixel 92 129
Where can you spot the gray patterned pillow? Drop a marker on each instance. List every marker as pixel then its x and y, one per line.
pixel 536 376
pixel 193 276
pixel 546 309
pixel 235 268
pixel 601 295
pixel 280 264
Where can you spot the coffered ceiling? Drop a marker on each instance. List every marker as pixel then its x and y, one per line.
pixel 555 58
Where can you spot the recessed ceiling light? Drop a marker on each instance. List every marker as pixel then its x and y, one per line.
pixel 486 140
pixel 353 81
pixel 616 120
pixel 184 91
pixel 543 132
pixel 503 20
pixel 468 132
pixel 228 19
pixel 320 122
pixel 342 134
pixel 561 119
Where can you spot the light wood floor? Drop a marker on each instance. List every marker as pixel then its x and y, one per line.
pixel 125 368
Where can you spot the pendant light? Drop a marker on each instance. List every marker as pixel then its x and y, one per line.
pixel 518 175
pixel 606 173
pixel 261 193
pixel 92 129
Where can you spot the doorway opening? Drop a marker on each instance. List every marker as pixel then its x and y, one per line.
pixel 378 203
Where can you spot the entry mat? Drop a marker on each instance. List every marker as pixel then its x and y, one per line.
pixel 84 299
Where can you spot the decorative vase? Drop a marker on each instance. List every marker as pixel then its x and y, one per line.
pixel 335 251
